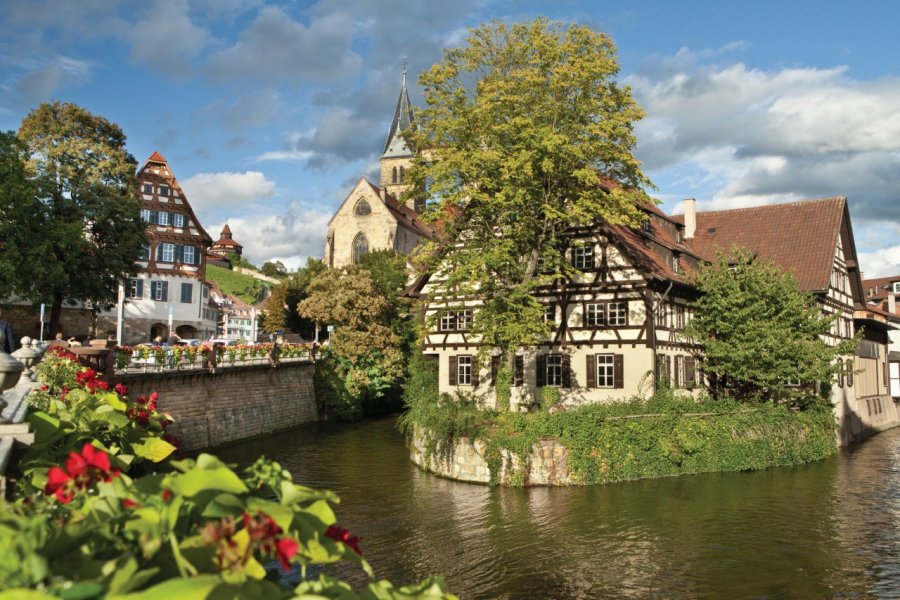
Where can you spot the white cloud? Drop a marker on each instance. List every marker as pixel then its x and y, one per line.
pixel 166 38
pixel 734 136
pixel 211 190
pixel 290 237
pixel 286 155
pixel 880 263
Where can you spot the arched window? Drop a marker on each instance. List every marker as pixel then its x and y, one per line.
pixel 360 247
pixel 401 174
pixel 362 208
pixel 394 175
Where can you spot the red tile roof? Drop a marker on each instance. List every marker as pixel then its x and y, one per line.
pixel 877 286
pixel 157 157
pixel 226 229
pixel 227 242
pixel 799 236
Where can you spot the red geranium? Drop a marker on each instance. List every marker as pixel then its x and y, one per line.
pixel 82 471
pixel 339 534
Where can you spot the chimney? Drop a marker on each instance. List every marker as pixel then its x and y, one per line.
pixel 892 301
pixel 690 218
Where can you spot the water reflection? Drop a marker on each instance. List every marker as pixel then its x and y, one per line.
pixel 822 530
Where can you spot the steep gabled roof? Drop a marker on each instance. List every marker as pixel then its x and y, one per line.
pixel 877 287
pixel 169 177
pixel 800 237
pixel 395 145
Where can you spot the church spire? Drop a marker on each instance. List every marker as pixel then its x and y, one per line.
pixel 395 146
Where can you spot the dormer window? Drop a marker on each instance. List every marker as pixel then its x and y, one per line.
pixel 675 263
pixel 679 235
pixel 645 225
pixel 897 287
pixel 362 208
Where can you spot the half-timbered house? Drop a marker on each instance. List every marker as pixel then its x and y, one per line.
pixel 169 294
pixel 618 326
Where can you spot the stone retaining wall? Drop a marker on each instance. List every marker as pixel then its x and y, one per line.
pixel 211 409
pixel 546 464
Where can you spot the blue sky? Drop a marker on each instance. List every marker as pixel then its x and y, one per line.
pixel 268 112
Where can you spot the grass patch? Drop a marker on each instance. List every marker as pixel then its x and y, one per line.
pixel 244 287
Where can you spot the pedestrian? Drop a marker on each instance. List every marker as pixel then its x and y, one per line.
pixel 9 344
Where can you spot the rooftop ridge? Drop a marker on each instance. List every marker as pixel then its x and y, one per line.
pixel 769 206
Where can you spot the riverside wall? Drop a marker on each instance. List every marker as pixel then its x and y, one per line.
pixel 237 403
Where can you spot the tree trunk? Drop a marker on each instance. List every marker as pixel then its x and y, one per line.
pixel 55 317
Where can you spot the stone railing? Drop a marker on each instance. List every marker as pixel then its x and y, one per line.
pixel 186 358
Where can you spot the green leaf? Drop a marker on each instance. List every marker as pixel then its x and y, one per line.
pixel 154 449
pixel 224 505
pixel 204 480
pixel 193 588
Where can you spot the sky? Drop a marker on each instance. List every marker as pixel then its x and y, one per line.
pixel 268 112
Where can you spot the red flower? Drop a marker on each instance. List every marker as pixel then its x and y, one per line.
pixel 286 548
pixel 82 471
pixel 121 389
pixel 166 495
pixel 44 388
pixel 129 504
pixel 58 484
pixel 339 534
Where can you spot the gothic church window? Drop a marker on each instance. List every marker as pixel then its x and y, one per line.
pixel 394 175
pixel 362 208
pixel 360 247
pixel 402 174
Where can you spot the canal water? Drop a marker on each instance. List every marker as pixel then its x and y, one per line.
pixel 825 530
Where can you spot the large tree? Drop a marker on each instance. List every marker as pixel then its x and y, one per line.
pixel 364 357
pixel 85 180
pixel 525 136
pixel 760 332
pixel 21 221
pixel 281 306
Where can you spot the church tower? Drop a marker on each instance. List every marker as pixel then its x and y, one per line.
pixel 397 156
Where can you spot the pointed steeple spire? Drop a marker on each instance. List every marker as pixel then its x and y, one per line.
pixel 395 146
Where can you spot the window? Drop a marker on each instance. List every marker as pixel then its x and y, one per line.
pixel 594 315
pixel 163 190
pixel 402 173
pixel 448 322
pixel 187 292
pixel 362 208
pixel 188 253
pixel 165 252
pixel 178 220
pixel 645 225
pixel 679 363
pixel 160 290
pixel 605 370
pixel 617 314
pixel 583 257
pixel 137 289
pixel 394 175
pixel 897 287
pixel 464 370
pixel 205 291
pixel 463 320
pixel 145 215
pixel 554 370
pixel 679 235
pixel 148 189
pixel 550 313
pixel 662 313
pixel 360 247
pixel 675 263
pixel 163 218
pixel 679 316
pixel 145 252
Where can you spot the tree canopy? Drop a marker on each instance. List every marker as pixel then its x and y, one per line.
pixel 21 221
pixel 281 306
pixel 525 136
pixel 85 181
pixel 759 331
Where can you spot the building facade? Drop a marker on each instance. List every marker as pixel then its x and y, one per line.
pixel 618 327
pixel 372 217
pixel 169 294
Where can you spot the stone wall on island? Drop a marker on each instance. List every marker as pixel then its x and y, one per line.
pixel 241 402
pixel 466 460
